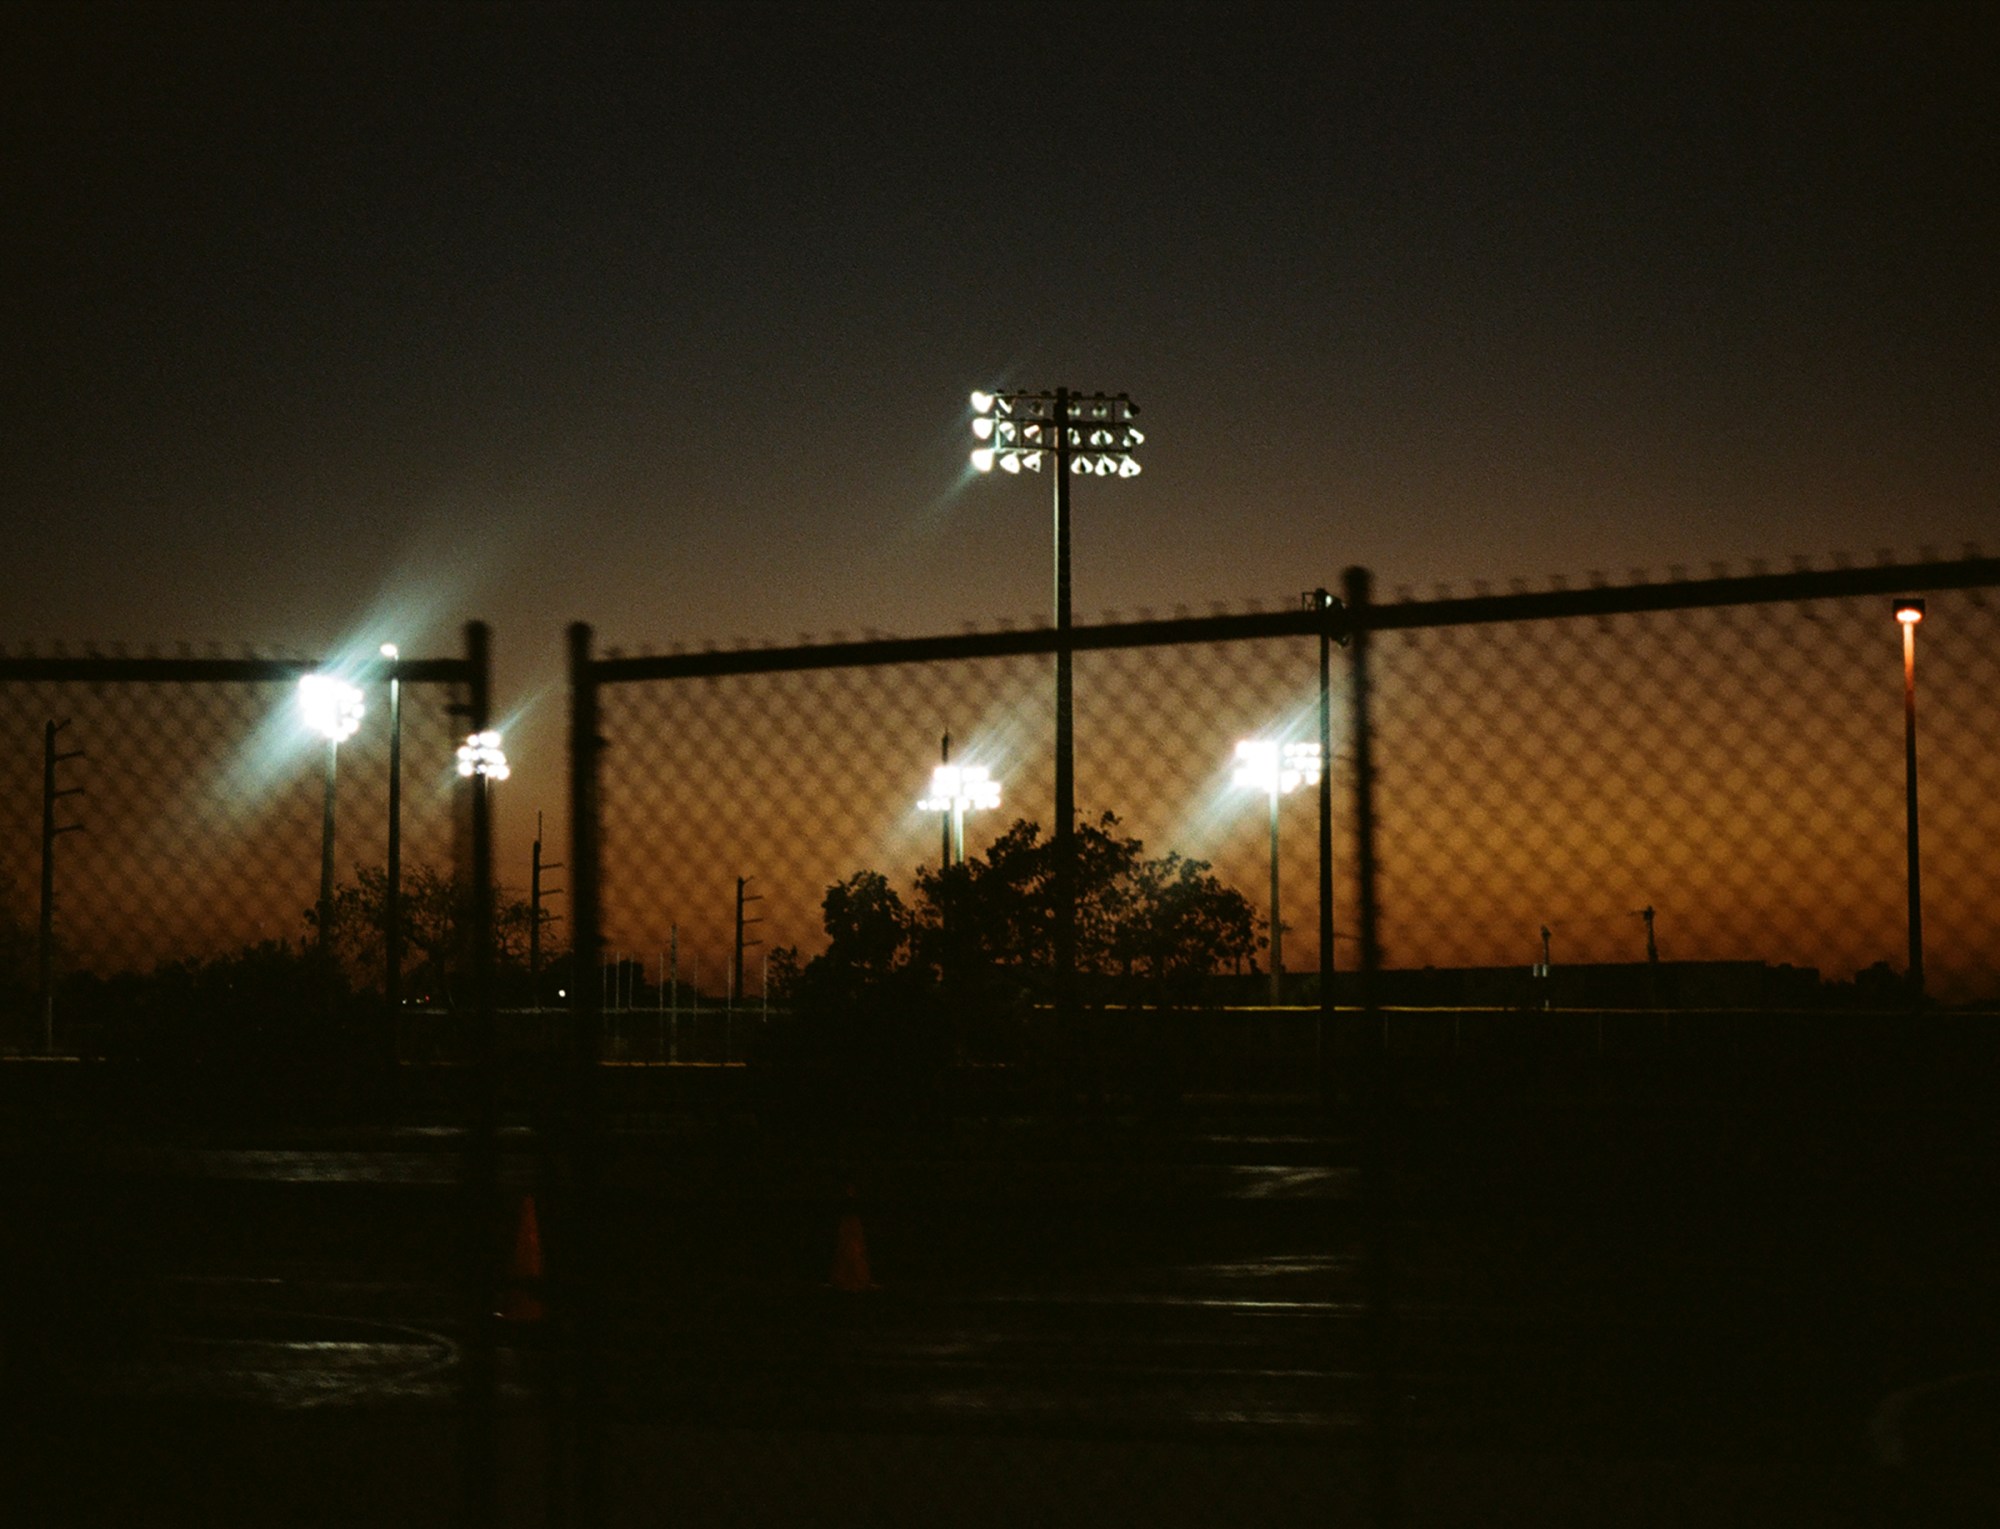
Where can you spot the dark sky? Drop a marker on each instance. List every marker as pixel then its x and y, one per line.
pixel 339 323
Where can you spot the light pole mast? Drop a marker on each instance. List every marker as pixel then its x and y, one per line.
pixel 1065 838
pixel 1277 769
pixel 392 894
pixel 1082 434
pixel 944 818
pixel 333 709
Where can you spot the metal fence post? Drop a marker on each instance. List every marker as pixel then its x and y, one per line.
pixel 586 905
pixel 1373 1095
pixel 480 1500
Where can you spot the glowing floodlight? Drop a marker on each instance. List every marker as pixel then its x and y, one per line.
pixel 1264 764
pixel 332 707
pixel 1909 612
pixel 1094 433
pixel 959 789
pixel 1277 769
pixel 982 459
pixel 480 755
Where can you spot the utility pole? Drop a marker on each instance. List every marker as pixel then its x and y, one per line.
pixel 1652 959
pixel 47 973
pixel 536 918
pixel 741 899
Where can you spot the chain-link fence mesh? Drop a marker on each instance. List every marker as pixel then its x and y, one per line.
pixel 1697 807
pixel 801 779
pixel 188 812
pixel 1730 781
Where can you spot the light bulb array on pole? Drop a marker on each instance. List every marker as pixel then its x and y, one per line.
pixel 1276 769
pixel 955 791
pixel 1077 433
pixel 333 709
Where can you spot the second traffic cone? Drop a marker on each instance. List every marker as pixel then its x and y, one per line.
pixel 521 1300
pixel 850 1252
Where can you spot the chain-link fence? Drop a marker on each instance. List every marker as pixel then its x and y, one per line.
pixel 176 831
pixel 1689 803
pixel 1683 795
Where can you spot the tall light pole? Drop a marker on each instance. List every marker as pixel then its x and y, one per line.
pixel 332 709
pixel 392 892
pixel 955 791
pixel 1078 434
pixel 482 761
pixel 1908 614
pixel 1276 769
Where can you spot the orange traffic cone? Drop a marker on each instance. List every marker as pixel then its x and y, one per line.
pixel 521 1300
pixel 850 1253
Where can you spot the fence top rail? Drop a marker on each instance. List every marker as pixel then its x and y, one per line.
pixel 1685 594
pixel 124 669
pixel 1339 622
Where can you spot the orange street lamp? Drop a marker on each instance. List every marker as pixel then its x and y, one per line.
pixel 1908 614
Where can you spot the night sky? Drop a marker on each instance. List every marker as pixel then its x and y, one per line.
pixel 326 325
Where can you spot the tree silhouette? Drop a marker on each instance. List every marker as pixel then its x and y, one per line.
pixel 436 914
pixel 1149 930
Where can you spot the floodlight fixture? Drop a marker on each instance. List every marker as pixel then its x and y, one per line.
pixel 1265 764
pixel 1094 434
pixel 1007 424
pixel 961 788
pixel 1277 769
pixel 957 790
pixel 332 707
pixel 480 755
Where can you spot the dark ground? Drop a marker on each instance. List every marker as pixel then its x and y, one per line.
pixel 1757 1297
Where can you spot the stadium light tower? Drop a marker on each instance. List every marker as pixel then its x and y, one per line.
pixel 332 709
pixel 957 790
pixel 1076 434
pixel 1276 769
pixel 1908 614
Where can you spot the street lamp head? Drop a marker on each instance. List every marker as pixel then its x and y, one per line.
pixel 481 755
pixel 389 650
pixel 1909 612
pixel 332 707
